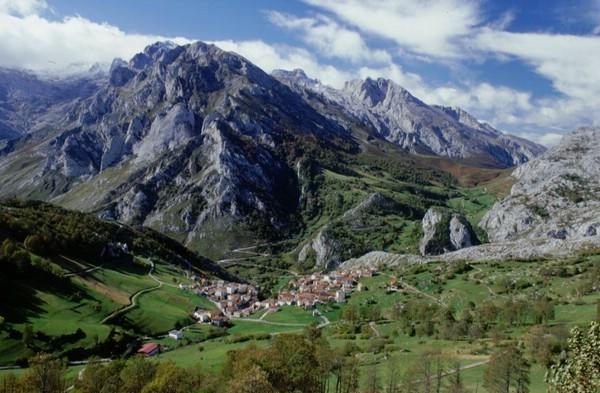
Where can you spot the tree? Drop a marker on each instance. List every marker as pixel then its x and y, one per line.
pixel 11 384
pixel 506 370
pixel 172 379
pixel 540 345
pixel 101 378
pixel 136 374
pixel 579 369
pixel 372 381
pixel 45 375
pixel 454 379
pixel 543 311
pixel 254 380
pixel 393 376
pixel 27 337
pixel 35 244
pixel 292 365
pixel 425 375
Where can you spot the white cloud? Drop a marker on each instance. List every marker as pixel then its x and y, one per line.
pixel 570 62
pixel 428 28
pixel 68 45
pixel 22 7
pixel 271 57
pixel 548 139
pixel 330 38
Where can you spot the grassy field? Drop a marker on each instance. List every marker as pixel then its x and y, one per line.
pixel 98 294
pixel 293 314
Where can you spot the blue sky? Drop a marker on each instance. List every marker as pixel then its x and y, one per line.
pixel 528 67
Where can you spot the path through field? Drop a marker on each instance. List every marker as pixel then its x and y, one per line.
pixel 133 298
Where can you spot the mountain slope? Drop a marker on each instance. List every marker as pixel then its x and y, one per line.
pixel 556 196
pixel 73 281
pixel 29 103
pixel 205 147
pixel 392 113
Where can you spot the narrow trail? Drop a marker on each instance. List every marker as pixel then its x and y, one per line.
pixel 248 252
pixel 80 272
pixel 133 298
pixel 325 320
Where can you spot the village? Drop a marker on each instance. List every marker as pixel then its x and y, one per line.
pixel 237 300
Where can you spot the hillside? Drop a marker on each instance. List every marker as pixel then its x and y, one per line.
pixel 66 273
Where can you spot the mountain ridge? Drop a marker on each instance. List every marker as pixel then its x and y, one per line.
pixel 203 145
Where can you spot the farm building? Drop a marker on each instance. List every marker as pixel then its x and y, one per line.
pixel 149 349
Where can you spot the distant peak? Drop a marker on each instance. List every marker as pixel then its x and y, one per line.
pixel 296 77
pixel 374 91
pixel 158 46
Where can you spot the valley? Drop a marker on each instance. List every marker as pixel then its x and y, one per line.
pixel 186 222
pixel 373 324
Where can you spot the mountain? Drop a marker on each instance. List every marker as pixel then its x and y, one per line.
pixel 555 196
pixel 391 112
pixel 202 145
pixel 29 103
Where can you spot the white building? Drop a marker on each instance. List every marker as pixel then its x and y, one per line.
pixel 340 296
pixel 202 315
pixel 176 334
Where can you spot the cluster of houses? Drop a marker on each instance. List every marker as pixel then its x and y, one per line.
pixel 235 300
pixel 308 291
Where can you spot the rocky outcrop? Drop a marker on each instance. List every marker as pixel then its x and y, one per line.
pixel 521 250
pixel 392 113
pixel 323 251
pixel 444 231
pixel 555 196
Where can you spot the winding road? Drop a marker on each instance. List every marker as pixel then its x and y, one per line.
pixel 133 298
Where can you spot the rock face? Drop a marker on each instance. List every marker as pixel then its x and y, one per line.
pixel 323 249
pixel 517 250
pixel 556 196
pixel 444 232
pixel 392 113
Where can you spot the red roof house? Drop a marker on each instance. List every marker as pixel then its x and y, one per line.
pixel 149 349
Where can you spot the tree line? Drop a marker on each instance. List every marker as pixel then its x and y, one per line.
pixel 306 363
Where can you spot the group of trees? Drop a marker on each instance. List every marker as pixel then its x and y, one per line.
pixel 423 318
pixel 305 363
pixel 47 230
